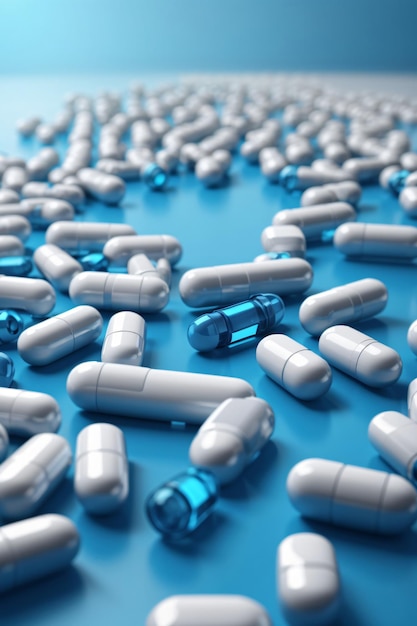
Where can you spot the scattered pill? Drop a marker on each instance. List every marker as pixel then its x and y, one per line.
pixel 125 339
pixel 317 222
pixel 28 413
pixel 395 437
pixel 33 295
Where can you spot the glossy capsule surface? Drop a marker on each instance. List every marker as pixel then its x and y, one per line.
pixel 317 222
pixel 82 238
pixel 236 323
pixel 11 325
pixel 120 249
pixel 58 267
pixel 27 413
pixel 381 241
pixel 302 177
pixel 104 187
pixel 395 437
pixel 285 241
pixel 33 295
pixel 125 339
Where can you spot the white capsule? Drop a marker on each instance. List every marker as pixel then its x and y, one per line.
pixel 337 151
pixel 386 174
pixel 299 153
pixel 4 442
pixel 125 339
pixel 395 437
pixel 408 161
pixel 45 133
pixel 360 356
pixel 42 212
pixel 41 164
pixel 411 180
pixel 306 177
pixel 227 284
pixel 119 249
pixel 382 241
pixel 31 473
pixel 209 171
pixel 232 437
pixel 119 292
pixel 412 337
pixel 70 193
pixel 123 169
pixel 287 241
pixel 412 399
pixel 11 246
pixel 316 221
pixel 8 161
pixel 34 548
pixel 208 610
pixel 145 393
pixel 58 267
pixel 33 295
pixel 84 237
pixel 140 264
pixel 271 167
pixel 101 480
pixel 60 335
pixel 9 196
pixel 348 303
pixel 354 497
pixel 408 200
pixel 104 187
pixel 14 178
pixel 28 413
pixel 369 168
pixel 308 580
pixel 167 159
pixel 27 126
pixel 163 267
pixel 317 195
pixel 345 191
pixel 291 365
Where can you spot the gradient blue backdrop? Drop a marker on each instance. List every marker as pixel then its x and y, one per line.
pixel 42 36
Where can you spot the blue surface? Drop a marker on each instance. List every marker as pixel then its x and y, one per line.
pixel 124 568
pixel 40 36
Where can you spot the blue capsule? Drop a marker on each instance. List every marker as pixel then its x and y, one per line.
pixel 11 326
pixel 16 265
pixel 94 262
pixel 155 177
pixel 396 181
pixel 6 370
pixel 288 177
pixel 179 506
pixel 223 327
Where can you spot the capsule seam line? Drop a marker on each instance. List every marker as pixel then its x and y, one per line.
pixel 80 456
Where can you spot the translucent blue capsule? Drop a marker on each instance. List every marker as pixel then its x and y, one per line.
pixel 11 325
pixel 16 265
pixel 6 370
pixel 223 327
pixel 94 262
pixel 288 177
pixel 396 182
pixel 155 177
pixel 181 505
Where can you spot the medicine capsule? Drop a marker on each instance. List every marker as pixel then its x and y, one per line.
pixel 41 164
pixel 181 505
pixel 122 169
pixel 33 295
pixel 301 177
pixel 360 356
pixel 354 497
pixel 395 437
pixel 140 264
pixel 238 322
pixel 31 473
pixel 58 267
pixel 408 201
pixel 286 241
pixel 42 212
pixel 14 178
pixel 292 366
pixel 11 325
pixel 101 480
pixel 347 191
pixel 60 335
pixel 8 196
pixel 104 187
pixel 119 292
pixel 7 370
pixel 120 249
pixel 317 222
pixel 81 238
pixel 412 337
pixel 27 126
pixel 4 443
pixel 367 169
pixel 11 246
pixel 388 174
pixel 165 395
pixel 36 547
pixel 232 437
pixel 28 413
pixel 207 610
pixel 16 225
pixel 154 176
pixel 381 241
pixel 308 579
pixel 348 303
pixel 228 284
pixel 125 339
pixel 70 193
pixel 412 399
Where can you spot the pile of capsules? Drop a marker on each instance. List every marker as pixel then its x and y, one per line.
pixel 108 266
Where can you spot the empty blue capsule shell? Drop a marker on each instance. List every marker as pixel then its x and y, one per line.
pixel 94 262
pixel 11 325
pixel 6 370
pixel 223 327
pixel 288 177
pixel 16 265
pixel 396 182
pixel 155 177
pixel 177 508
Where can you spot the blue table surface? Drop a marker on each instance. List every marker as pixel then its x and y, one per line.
pixel 124 568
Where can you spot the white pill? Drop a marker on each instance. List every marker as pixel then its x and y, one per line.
pixel 4 442
pixel 33 295
pixel 41 164
pixel 11 246
pixel 125 339
pixel 305 177
pixel 367 169
pixel 232 437
pixel 14 178
pixel 299 153
pixel 412 337
pixel 118 292
pixel 101 480
pixel 337 151
pixel 273 166
pixel 383 241
pixel 346 191
pixel 31 473
pixel 104 187
pixel 386 174
pixel 208 610
pixel 293 367
pixel 354 497
pixel 44 211
pixel 45 133
pixel 284 240
pixel 316 221
pixel 163 267
pixel 84 237
pixel 36 547
pixel 209 171
pixel 317 195
pixel 27 126
pixel 60 335
pixel 227 284
pixel 9 196
pixel 119 249
pixel 70 193
pixel 28 413
pixel 123 169
pixel 58 267
pixel 146 393
pixel 360 356
pixel 395 437
pixel 140 264
pixel 15 225
pixel 348 303
pixel 308 580
pixel 411 180
pixel 412 399
pixel 408 200
pixel 408 161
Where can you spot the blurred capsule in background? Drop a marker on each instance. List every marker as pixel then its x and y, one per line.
pixel 6 370
pixel 11 325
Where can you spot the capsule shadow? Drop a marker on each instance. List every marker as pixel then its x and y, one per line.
pixel 87 353
pixel 249 484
